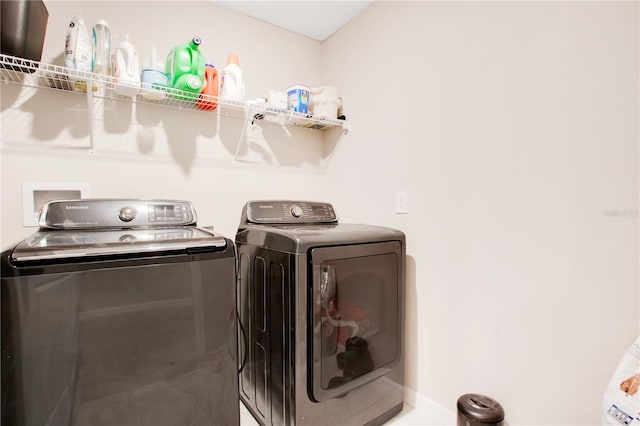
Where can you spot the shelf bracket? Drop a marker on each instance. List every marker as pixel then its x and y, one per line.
pixel 247 115
pixel 89 83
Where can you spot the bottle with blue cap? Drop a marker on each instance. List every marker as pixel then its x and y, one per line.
pixel 208 99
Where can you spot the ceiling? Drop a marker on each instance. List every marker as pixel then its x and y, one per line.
pixel 314 19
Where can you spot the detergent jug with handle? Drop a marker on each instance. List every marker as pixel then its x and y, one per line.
pixel 126 69
pixel 185 70
pixel 208 99
pixel 232 85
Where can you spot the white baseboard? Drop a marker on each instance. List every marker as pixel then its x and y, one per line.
pixel 423 408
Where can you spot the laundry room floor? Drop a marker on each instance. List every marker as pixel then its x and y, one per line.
pixel 426 413
pixel 246 419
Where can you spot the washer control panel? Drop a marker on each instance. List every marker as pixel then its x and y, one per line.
pixel 107 213
pixel 281 211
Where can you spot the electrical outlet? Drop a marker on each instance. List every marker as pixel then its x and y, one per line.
pixel 402 202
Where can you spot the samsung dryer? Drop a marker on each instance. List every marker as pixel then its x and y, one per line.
pixel 321 312
pixel 119 312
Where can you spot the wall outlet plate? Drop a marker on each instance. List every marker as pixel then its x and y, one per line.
pixel 402 202
pixel 35 194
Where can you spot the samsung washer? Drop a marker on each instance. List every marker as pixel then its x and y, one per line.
pixel 321 310
pixel 119 312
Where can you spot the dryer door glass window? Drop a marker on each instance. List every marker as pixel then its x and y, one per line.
pixel 355 321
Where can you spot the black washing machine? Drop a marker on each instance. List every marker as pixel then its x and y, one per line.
pixel 119 312
pixel 321 310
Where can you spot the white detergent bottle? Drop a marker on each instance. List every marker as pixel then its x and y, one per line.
pixel 232 84
pixel 126 69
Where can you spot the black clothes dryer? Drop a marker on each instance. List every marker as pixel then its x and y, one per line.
pixel 119 312
pixel 321 310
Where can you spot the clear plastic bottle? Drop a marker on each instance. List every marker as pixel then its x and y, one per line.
pixel 101 48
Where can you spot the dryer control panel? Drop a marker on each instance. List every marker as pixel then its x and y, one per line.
pixel 286 212
pixel 116 213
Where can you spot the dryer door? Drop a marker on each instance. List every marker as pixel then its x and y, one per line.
pixel 355 331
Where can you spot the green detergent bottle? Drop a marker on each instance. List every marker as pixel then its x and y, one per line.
pixel 185 70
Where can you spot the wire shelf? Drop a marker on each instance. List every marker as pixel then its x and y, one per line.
pixel 42 75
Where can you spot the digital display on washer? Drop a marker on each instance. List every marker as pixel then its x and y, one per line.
pixel 317 212
pixel 165 211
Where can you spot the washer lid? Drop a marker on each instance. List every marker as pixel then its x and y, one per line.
pixel 64 244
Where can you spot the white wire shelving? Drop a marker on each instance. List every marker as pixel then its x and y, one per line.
pixel 42 75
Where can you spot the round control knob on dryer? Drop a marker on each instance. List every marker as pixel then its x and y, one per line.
pixel 127 214
pixel 296 211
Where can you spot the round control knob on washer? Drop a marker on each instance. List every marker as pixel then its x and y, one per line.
pixel 127 214
pixel 296 211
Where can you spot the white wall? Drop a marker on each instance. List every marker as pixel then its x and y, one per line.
pixel 514 127
pixel 144 151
